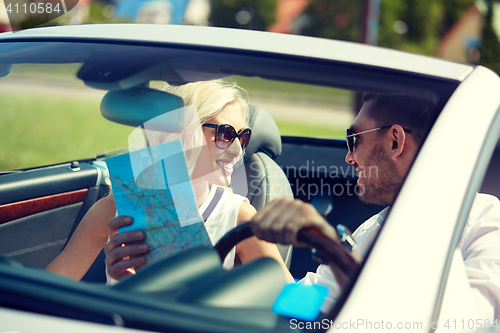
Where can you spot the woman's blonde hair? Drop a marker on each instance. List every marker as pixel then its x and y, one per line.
pixel 208 98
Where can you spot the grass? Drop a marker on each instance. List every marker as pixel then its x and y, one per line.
pixel 297 129
pixel 40 130
pixel 61 71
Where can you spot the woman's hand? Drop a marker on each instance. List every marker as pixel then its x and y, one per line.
pixel 123 252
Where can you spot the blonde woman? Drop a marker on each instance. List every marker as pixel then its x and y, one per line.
pixel 223 114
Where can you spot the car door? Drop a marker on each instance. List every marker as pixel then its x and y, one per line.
pixel 51 130
pixel 40 208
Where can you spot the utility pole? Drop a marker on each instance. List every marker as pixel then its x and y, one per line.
pixel 370 17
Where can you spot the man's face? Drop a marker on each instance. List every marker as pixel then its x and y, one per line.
pixel 378 179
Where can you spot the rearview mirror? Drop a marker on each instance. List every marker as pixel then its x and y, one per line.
pixel 136 106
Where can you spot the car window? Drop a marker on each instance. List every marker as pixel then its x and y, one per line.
pixel 300 109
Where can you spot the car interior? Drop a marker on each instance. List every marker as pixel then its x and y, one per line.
pixel 40 207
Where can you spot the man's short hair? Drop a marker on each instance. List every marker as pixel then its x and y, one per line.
pixel 415 113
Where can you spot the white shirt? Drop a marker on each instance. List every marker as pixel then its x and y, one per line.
pixel 479 246
pixel 223 218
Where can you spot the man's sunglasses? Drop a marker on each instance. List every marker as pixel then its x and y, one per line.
pixel 350 136
pixel 225 135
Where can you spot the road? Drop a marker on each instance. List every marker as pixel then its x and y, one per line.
pixel 294 110
pixel 306 111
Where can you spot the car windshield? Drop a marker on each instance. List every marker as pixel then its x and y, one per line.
pixel 69 124
pixel 72 110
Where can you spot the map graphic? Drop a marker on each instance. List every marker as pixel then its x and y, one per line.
pixel 152 186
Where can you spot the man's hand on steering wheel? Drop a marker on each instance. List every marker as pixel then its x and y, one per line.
pixel 281 220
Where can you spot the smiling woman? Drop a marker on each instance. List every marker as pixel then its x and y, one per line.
pixel 210 156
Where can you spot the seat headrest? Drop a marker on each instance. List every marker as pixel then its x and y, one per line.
pixel 265 134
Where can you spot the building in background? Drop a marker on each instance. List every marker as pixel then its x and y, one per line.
pixel 288 14
pixel 462 41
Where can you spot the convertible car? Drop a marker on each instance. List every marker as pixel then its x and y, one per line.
pixel 55 142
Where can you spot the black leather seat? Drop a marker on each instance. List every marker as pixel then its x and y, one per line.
pixel 266 180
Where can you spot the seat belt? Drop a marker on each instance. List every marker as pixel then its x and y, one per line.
pixel 213 203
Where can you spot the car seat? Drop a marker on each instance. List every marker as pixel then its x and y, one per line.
pixel 265 179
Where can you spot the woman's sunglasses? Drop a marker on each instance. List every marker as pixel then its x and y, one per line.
pixel 225 135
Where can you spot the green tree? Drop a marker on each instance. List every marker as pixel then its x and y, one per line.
pixel 337 19
pixel 341 19
pixel 421 18
pixel 248 14
pixel 490 48
pixel 426 22
pixel 390 12
pixel 410 25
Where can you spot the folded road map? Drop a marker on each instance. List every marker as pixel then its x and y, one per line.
pixel 152 186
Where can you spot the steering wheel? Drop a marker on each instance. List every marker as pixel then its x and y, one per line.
pixel 323 247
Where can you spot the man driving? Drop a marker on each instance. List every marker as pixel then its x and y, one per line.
pixel 387 134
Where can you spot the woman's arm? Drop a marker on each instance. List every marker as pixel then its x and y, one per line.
pixel 253 248
pixel 87 241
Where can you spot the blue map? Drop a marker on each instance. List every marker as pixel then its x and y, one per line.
pixel 152 186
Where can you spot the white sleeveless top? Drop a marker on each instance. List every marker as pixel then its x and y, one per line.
pixel 223 218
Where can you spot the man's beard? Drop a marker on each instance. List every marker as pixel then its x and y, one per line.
pixel 380 187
